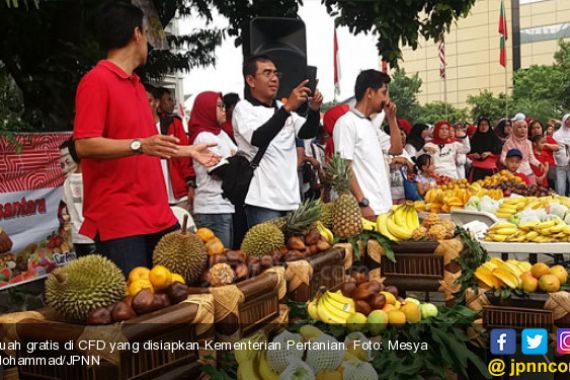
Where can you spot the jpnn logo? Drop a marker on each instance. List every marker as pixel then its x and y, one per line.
pixel 503 341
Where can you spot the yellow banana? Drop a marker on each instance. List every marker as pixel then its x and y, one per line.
pixel 399 216
pixel 265 371
pixel 339 304
pixel 566 230
pixel 325 232
pixel 312 310
pixel 402 233
pixel 505 231
pixel 382 227
pixel 412 219
pixel 502 225
pixel 368 225
pixel 339 297
pixel 503 214
pixel 547 224
pixel 531 235
pixel 247 369
pixel 507 208
pixel 498 238
pixel 342 310
pixel 325 315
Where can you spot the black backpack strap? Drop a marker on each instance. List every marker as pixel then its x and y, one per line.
pixel 261 151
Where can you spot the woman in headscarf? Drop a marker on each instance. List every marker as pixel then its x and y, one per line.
pixel 562 156
pixel 416 139
pixel 211 210
pixel 504 129
pixel 519 140
pixel 329 121
pixel 485 150
pixel 445 149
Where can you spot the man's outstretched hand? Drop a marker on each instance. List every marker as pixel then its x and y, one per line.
pixel 200 153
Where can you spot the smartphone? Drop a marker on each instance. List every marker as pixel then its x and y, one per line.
pixel 312 77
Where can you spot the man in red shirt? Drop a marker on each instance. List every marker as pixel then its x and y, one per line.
pixel 125 203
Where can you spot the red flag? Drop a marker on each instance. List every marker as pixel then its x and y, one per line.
pixel 384 66
pixel 504 35
pixel 336 63
pixel 441 50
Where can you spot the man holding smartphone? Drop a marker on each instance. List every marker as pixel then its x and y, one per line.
pixel 259 120
pixel 356 139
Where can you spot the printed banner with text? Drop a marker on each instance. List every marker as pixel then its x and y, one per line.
pixel 31 181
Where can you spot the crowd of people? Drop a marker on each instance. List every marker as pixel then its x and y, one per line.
pixel 136 159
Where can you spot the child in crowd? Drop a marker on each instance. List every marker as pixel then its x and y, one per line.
pixel 425 179
pixel 541 155
pixel 513 162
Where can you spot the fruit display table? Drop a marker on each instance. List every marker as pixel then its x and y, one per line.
pixel 532 249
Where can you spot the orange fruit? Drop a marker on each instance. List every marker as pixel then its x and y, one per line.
pixel 160 277
pixel 177 277
pixel 138 273
pixel 138 285
pixel 205 234
pixel 215 247
pixel 396 318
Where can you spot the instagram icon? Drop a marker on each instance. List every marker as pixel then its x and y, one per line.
pixel 563 341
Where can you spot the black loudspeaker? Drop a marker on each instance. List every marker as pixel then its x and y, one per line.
pixel 284 40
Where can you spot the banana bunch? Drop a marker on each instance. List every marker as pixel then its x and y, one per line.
pixel 510 206
pixel 399 223
pixel 550 231
pixel 325 232
pixel 252 364
pixel 368 225
pixel 331 307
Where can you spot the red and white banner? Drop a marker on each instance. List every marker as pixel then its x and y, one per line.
pixel 336 63
pixel 31 190
pixel 441 50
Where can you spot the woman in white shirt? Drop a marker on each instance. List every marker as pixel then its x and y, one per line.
pixel 445 149
pixel 211 210
pixel 416 140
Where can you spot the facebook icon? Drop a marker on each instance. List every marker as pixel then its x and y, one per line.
pixel 503 341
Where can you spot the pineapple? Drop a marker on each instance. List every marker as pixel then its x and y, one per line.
pixel 327 214
pixel 299 222
pixel 347 218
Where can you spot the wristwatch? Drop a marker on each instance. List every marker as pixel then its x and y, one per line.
pixel 136 146
pixel 364 202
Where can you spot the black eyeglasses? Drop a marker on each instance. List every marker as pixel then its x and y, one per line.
pixel 269 73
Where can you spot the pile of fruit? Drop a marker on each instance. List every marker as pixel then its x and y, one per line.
pixel 297 356
pixel 513 274
pixel 549 231
pixel 457 194
pixel 93 290
pixel 361 304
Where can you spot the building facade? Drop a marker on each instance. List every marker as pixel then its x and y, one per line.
pixel 472 48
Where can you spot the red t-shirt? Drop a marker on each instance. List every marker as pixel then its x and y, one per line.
pixel 125 196
pixel 548 153
pixel 524 178
pixel 543 158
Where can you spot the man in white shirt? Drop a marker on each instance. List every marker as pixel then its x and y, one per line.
pixel 259 120
pixel 357 140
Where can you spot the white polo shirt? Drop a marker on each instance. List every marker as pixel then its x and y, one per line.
pixel 275 184
pixel 357 139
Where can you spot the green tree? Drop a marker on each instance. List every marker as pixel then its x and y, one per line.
pixel 486 104
pixel 435 111
pixel 539 83
pixel 562 59
pixel 404 92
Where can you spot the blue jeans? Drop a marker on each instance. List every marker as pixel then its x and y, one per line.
pixel 562 178
pixel 256 215
pixel 132 251
pixel 221 224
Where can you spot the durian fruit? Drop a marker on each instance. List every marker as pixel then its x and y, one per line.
pixel 221 274
pixel 419 233
pixel 430 220
pixel 327 214
pixel 182 252
pixel 298 222
pixel 439 232
pixel 347 218
pixel 84 284
pixel 261 239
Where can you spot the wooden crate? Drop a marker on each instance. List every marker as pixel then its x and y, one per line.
pixel 416 267
pixel 517 312
pixel 170 324
pixel 328 271
pixel 260 305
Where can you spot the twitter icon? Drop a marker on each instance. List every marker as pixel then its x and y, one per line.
pixel 534 341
